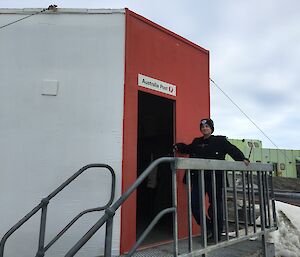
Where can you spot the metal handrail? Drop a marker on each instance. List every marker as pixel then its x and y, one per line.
pixel 110 212
pixel 265 196
pixel 43 205
pixel 262 171
pixel 214 166
pixel 149 228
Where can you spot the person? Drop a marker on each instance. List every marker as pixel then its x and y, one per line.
pixel 209 147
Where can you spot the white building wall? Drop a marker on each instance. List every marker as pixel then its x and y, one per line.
pixel 44 139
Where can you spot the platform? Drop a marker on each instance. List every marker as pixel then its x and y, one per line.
pixel 247 248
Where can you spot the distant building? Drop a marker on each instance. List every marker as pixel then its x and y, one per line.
pixel 286 162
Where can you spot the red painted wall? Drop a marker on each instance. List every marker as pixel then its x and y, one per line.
pixel 158 53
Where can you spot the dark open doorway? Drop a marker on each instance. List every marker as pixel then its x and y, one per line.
pixel 155 139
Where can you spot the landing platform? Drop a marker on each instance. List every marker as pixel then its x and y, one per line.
pixel 247 248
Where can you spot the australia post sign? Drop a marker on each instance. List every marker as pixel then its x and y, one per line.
pixel 157 85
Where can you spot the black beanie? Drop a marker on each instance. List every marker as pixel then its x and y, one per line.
pixel 209 122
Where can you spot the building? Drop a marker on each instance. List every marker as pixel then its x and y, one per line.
pixel 286 162
pixel 92 86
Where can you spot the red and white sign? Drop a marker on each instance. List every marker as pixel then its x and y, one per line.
pixel 157 85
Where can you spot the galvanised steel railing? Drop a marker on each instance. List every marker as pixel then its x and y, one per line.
pixel 107 218
pixel 43 207
pixel 266 201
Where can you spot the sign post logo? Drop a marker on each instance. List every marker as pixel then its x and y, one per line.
pixel 157 85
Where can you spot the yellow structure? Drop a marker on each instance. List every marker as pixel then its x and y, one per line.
pixel 286 162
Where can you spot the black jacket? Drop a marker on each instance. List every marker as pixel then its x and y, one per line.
pixel 214 147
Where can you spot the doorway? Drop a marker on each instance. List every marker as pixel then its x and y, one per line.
pixel 155 139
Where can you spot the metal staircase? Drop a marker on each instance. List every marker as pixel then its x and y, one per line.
pixel 263 195
pixel 247 193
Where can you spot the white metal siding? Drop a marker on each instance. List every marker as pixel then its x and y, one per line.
pixel 44 138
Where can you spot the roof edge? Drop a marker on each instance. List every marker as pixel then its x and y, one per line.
pixel 60 10
pixel 153 24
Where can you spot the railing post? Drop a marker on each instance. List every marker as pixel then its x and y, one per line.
pixel 190 229
pixel 244 203
pixel 236 215
pixel 108 237
pixel 253 202
pixel 225 204
pixel 202 208
pixel 268 199
pixel 273 200
pixel 262 212
pixel 1 248
pixel 249 212
pixel 41 250
pixel 263 181
pixel 214 205
pixel 174 200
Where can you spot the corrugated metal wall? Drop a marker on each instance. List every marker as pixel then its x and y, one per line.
pixel 284 159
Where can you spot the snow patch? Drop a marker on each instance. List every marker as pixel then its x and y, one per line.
pixel 287 237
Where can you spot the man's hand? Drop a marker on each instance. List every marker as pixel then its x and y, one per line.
pixel 179 147
pixel 246 161
pixel 175 147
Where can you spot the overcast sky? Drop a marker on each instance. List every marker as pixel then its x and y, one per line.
pixel 254 57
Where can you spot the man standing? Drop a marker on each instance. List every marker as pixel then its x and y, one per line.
pixel 209 147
